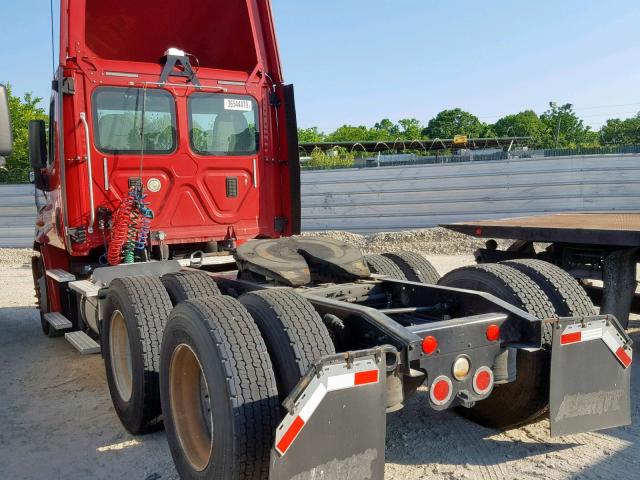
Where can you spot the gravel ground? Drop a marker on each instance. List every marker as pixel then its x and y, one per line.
pixel 430 241
pixel 58 422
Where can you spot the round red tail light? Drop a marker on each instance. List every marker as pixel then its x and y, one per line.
pixel 483 380
pixel 493 332
pixel 429 345
pixel 441 390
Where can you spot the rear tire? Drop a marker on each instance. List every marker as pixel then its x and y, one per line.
pixel 384 266
pixel 135 312
pixel 415 266
pixel 218 391
pixel 295 335
pixel 527 398
pixel 183 286
pixel 568 297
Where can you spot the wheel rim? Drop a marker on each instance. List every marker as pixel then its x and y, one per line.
pixel 191 407
pixel 120 351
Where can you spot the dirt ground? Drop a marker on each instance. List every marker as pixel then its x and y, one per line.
pixel 57 420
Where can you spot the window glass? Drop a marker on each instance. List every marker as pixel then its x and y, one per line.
pixel 118 125
pixel 223 125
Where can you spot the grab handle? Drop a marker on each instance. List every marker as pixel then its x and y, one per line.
pixel 92 214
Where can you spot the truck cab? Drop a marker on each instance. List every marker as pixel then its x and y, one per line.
pixel 197 115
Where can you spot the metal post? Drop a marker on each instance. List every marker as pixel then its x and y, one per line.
pixel 619 276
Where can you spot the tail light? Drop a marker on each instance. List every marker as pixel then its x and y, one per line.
pixel 429 345
pixel 493 332
pixel 483 380
pixel 441 390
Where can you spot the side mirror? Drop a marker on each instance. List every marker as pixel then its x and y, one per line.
pixel 37 144
pixel 6 141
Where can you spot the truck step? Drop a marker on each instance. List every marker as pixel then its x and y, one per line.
pixel 86 287
pixel 82 342
pixel 60 275
pixel 57 320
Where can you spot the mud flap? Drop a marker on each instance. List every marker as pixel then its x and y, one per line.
pixel 336 422
pixel 590 375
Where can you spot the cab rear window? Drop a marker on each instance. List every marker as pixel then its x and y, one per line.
pixel 119 125
pixel 223 125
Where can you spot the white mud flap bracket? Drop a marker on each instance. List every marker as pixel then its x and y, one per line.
pixel 590 375
pixel 335 426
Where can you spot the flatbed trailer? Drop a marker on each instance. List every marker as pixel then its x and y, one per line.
pixel 601 246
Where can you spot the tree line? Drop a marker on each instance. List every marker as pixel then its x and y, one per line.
pixel 557 127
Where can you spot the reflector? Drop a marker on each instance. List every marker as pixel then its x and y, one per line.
pixel 493 332
pixel 429 345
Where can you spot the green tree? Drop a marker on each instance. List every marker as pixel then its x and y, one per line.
pixel 450 123
pixel 310 135
pixel 625 132
pixel 22 110
pixel 411 129
pixel 350 133
pixel 563 128
pixel 523 124
pixel 385 129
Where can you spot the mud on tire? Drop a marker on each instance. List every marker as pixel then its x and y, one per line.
pixel 135 311
pixel 215 371
pixel 527 398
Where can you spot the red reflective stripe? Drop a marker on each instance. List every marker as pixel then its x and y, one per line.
pixel 290 436
pixel 571 338
pixel 623 357
pixel 370 376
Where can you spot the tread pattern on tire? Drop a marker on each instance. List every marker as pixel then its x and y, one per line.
pixel 528 296
pixel 384 266
pixel 150 301
pixel 189 285
pixel 415 267
pixel 250 381
pixel 301 325
pixel 573 298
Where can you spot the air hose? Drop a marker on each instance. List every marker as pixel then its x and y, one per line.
pixel 131 227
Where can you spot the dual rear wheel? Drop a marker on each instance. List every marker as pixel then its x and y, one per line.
pixel 410 266
pixel 213 368
pixel 545 291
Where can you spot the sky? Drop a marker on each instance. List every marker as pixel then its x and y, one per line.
pixel 356 62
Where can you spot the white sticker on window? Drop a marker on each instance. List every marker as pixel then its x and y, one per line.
pixel 237 104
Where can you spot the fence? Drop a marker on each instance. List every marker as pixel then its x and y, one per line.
pixel 418 196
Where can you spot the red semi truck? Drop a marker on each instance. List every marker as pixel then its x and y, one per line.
pixel 167 242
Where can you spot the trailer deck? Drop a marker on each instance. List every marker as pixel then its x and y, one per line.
pixel 614 229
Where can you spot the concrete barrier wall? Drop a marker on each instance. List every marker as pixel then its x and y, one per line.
pixel 419 196
pixel 407 197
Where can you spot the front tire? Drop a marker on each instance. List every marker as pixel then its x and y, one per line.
pixel 218 390
pixel 135 312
